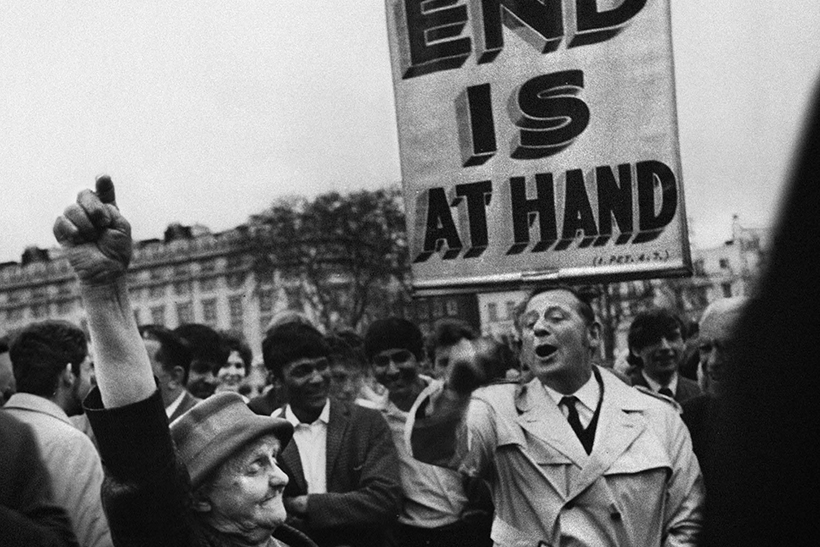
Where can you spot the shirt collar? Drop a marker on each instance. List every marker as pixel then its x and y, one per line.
pixel 588 394
pixel 655 386
pixel 324 417
pixel 35 403
pixel 170 409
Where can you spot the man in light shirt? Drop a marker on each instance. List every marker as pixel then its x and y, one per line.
pixel 344 487
pixel 46 357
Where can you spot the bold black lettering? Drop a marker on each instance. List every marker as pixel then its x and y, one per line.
pixel 541 24
pixel 651 175
pixel 577 212
pixel 551 116
pixel 525 211
pixel 595 26
pixel 614 202
pixel 440 228
pixel 429 43
pixel 478 196
pixel 474 112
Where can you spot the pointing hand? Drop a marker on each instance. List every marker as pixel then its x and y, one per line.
pixel 95 236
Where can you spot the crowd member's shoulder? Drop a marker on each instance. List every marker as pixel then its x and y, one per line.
pixel 672 403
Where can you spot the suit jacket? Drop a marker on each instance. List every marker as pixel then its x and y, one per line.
pixel 363 487
pixel 640 485
pixel 28 515
pixel 686 388
pixel 188 402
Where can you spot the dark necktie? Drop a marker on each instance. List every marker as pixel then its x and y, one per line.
pixel 666 391
pixel 574 420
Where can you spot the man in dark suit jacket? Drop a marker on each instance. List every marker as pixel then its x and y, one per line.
pixel 170 361
pixel 344 484
pixel 656 346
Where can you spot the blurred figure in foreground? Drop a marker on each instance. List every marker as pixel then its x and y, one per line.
pixel 7 384
pixel 766 489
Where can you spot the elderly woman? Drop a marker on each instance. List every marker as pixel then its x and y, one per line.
pixel 217 482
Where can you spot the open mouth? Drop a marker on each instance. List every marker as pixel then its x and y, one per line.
pixel 545 350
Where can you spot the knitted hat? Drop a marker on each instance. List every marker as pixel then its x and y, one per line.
pixel 214 429
pixel 391 333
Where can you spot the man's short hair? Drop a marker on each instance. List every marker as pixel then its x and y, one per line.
pixel 291 342
pixel 393 332
pixel 208 349
pixel 173 351
pixel 342 353
pixel 40 352
pixel 448 332
pixel 584 295
pixel 651 325
pixel 235 342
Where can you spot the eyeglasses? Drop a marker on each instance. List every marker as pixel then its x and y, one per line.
pixel 399 357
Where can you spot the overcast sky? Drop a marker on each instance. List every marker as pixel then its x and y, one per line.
pixel 206 111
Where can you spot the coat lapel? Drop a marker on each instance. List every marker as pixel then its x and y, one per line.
pixel 618 427
pixel 541 418
pixel 336 429
pixel 291 460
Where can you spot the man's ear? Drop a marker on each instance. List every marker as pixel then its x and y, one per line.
pixel 177 374
pixel 67 377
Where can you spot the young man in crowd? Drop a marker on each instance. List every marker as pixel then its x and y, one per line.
pixel 170 362
pixel 435 499
pixel 344 487
pixel 46 357
pixel 657 348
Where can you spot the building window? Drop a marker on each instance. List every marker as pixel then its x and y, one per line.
pixel 157 274
pixel 185 313
pixel 181 271
pixel 38 311
pixel 65 307
pixel 727 289
pixel 492 311
pixel 157 292
pixel 266 301
pixel 181 288
pixel 236 315
pixel 15 314
pixel 13 297
pixel 209 316
pixel 208 285
pixel 452 307
pixel 208 266
pixel 38 294
pixel 724 263
pixel 236 281
pixel 510 309
pixel 699 269
pixel 158 315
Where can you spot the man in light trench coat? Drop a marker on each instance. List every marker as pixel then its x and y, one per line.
pixel 573 457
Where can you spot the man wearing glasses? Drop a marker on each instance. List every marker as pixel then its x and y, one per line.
pixel 344 487
pixel 436 511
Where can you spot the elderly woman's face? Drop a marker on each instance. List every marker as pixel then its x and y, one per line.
pixel 246 494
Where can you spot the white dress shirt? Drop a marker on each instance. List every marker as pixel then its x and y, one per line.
pixel 170 409
pixel 656 387
pixel 588 396
pixel 311 440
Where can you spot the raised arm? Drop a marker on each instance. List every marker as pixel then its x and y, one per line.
pixel 97 242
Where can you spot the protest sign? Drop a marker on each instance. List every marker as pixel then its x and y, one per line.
pixel 538 141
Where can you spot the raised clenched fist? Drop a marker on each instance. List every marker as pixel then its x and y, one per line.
pixel 95 236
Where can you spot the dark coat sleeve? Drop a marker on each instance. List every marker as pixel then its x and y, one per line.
pixel 28 516
pixel 376 499
pixel 145 493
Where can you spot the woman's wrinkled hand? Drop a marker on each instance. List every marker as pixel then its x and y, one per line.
pixel 96 238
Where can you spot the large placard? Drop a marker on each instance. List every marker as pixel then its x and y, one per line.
pixel 538 141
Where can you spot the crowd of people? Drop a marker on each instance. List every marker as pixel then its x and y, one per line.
pixel 126 434
pixel 144 435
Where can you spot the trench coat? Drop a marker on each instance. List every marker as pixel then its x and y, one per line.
pixel 641 485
